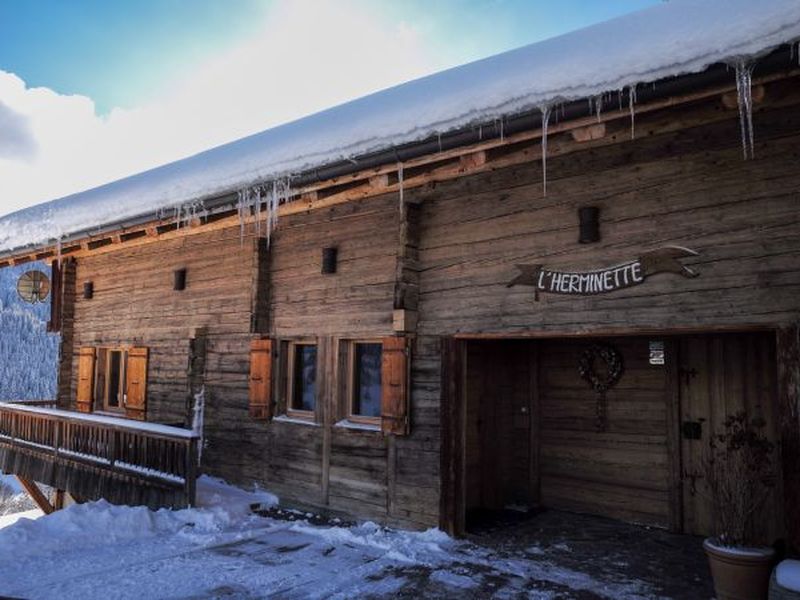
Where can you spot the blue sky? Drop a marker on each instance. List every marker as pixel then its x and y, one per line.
pixel 121 52
pixel 94 90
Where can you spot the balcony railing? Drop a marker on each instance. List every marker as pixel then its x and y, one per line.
pixel 97 456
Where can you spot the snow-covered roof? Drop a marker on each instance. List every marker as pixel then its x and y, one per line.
pixel 674 38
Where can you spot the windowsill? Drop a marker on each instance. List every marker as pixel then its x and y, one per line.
pixel 110 413
pixel 347 424
pixel 295 420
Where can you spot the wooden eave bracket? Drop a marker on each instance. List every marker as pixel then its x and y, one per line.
pixel 588 133
pixel 473 160
pixel 730 100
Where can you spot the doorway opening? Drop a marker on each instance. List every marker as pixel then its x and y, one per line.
pixel 537 434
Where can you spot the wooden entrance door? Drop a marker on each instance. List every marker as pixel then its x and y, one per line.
pixel 499 459
pixel 623 471
pixel 721 375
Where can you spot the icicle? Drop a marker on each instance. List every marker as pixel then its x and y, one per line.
pixel 240 205
pixel 439 139
pixel 632 108
pixel 598 106
pixel 400 183
pixel 280 193
pixel 198 417
pixel 258 212
pixel 744 80
pixel 480 133
pixel 58 251
pixel 185 214
pixel 545 120
pixel 502 130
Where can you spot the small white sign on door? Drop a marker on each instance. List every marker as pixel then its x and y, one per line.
pixel 656 352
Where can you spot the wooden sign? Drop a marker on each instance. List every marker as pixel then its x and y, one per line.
pixel 602 281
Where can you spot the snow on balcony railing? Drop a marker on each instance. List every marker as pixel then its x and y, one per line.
pixel 147 451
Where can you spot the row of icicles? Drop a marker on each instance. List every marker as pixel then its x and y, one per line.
pixel 744 83
pixel 262 201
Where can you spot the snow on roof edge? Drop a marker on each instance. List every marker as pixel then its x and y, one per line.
pixel 670 39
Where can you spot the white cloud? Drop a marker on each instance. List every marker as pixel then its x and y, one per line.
pixel 307 56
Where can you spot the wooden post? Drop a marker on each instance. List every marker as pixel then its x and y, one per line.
pixel 36 494
pixel 788 358
pixel 190 474
pixel 674 437
pixel 451 509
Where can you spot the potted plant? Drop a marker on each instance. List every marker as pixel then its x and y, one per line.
pixel 739 474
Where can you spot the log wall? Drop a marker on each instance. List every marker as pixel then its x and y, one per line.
pixel 681 181
pixel 134 304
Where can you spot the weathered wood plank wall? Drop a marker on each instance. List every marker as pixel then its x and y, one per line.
pixel 336 468
pixel 681 182
pixel 134 304
pixel 689 188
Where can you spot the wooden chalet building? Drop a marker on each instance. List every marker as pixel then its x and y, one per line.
pixel 423 330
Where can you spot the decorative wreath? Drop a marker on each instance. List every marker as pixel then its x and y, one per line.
pixel 601 382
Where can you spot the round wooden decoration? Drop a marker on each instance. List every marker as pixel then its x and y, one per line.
pixel 33 287
pixel 603 380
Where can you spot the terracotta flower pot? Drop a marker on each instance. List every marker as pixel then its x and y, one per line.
pixel 739 573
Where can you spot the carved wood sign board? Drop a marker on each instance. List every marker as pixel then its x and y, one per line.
pixel 601 281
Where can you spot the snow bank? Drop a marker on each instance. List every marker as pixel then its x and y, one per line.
pixel 402 546
pixel 673 38
pixel 220 507
pixel 10 519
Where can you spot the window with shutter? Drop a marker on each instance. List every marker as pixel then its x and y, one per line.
pixel 261 379
pixel 85 393
pixel 394 391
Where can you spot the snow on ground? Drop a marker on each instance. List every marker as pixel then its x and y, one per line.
pixel 98 550
pixel 11 518
pixel 673 38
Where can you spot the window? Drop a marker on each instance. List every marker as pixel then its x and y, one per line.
pixel 365 382
pixel 120 380
pixel 302 380
pixel 114 397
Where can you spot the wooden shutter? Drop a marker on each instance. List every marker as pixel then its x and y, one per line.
pixel 261 379
pixel 394 383
pixel 100 378
pixel 136 384
pixel 85 395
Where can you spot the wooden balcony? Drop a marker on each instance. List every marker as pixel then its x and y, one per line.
pixel 97 456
